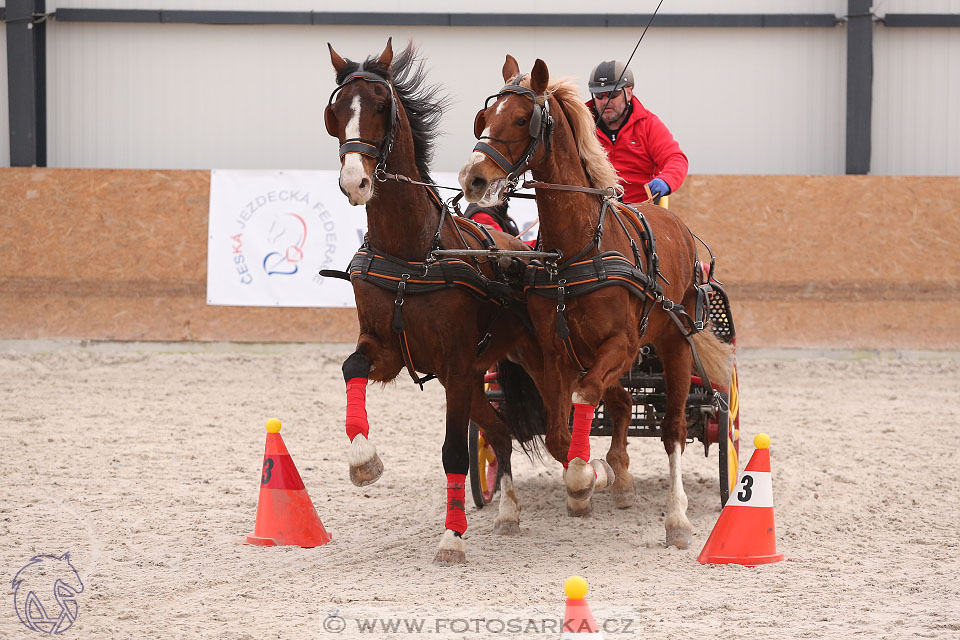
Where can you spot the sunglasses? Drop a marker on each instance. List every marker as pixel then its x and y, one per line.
pixel 606 95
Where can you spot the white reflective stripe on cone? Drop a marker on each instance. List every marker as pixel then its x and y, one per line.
pixel 754 489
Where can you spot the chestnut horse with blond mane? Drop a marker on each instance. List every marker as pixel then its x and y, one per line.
pixel 447 317
pixel 591 333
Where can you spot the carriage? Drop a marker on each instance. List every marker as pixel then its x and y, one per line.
pixel 713 415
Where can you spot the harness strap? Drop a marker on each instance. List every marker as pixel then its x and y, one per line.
pixel 563 331
pixel 400 329
pixel 359 145
pixel 498 158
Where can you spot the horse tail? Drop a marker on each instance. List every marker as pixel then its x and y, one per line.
pixel 522 407
pixel 716 356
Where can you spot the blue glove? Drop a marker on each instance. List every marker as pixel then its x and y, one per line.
pixel 658 188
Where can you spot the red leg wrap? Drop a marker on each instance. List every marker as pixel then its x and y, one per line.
pixel 456 516
pixel 580 439
pixel 357 408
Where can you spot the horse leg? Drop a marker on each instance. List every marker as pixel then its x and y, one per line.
pixel 618 406
pixel 456 463
pixel 583 475
pixel 497 434
pixel 365 465
pixel 677 361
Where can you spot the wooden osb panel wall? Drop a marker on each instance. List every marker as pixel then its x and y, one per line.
pixel 809 261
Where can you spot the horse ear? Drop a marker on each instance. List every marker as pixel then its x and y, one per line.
pixel 386 58
pixel 479 124
pixel 338 62
pixel 539 77
pixel 330 119
pixel 510 68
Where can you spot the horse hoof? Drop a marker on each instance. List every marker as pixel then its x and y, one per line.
pixel 580 478
pixel 365 465
pixel 604 472
pixel 579 508
pixel 367 473
pixel 452 550
pixel 624 499
pixel 624 492
pixel 679 537
pixel 449 557
pixel 506 527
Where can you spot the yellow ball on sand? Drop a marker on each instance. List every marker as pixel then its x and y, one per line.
pixel 761 441
pixel 273 425
pixel 575 588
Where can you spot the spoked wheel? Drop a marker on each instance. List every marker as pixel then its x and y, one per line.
pixel 729 445
pixel 484 470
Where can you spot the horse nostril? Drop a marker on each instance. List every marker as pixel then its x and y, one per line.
pixel 478 184
pixel 364 184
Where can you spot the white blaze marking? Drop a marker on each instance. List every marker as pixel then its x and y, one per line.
pixel 352 171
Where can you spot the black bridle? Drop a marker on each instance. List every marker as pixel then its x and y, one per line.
pixel 371 149
pixel 541 130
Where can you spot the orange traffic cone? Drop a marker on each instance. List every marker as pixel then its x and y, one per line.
pixel 744 534
pixel 285 514
pixel 578 622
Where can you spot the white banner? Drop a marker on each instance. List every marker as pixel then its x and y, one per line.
pixel 270 234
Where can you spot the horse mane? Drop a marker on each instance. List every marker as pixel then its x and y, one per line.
pixel 424 104
pixel 600 171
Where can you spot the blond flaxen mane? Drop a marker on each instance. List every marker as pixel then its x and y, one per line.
pixel 599 170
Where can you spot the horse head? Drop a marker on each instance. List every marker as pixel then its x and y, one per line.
pixel 362 113
pixel 514 130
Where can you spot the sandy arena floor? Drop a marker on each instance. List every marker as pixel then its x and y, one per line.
pixel 143 461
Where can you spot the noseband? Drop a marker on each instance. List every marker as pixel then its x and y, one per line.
pixel 363 146
pixel 541 129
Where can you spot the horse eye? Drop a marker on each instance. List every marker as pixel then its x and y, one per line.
pixel 521 122
pixel 381 107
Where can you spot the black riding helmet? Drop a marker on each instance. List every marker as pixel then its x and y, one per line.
pixel 610 75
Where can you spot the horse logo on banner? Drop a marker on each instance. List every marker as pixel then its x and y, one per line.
pixel 45 594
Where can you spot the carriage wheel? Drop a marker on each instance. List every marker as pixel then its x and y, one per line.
pixel 729 445
pixel 484 470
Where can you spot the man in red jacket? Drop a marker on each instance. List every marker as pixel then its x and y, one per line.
pixel 638 144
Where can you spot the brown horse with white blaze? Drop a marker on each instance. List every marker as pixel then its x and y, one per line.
pixel 443 316
pixel 591 333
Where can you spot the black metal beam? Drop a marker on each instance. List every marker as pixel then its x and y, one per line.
pixel 859 85
pixel 921 20
pixel 446 19
pixel 26 83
